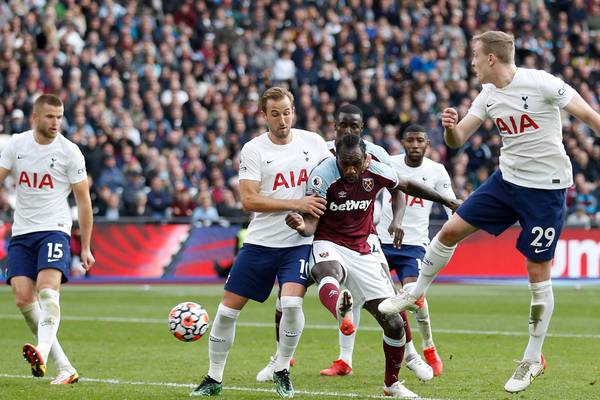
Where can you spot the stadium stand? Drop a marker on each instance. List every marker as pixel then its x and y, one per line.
pixel 160 96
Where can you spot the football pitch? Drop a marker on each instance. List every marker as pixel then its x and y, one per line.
pixel 117 338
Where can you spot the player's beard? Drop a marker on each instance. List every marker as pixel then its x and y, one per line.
pixel 46 133
pixel 281 134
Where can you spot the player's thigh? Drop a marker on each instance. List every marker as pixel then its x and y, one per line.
pixel 22 258
pixel 541 217
pixel 367 279
pixel 253 272
pixel 293 268
pixel 325 260
pixel 491 207
pixel 406 260
pixel 54 253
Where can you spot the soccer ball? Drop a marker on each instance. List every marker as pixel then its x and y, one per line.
pixel 188 321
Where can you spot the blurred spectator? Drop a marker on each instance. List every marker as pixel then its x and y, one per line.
pixel 159 198
pixel 205 212
pixel 579 218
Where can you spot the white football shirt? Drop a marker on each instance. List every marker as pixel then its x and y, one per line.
pixel 416 217
pixel 527 114
pixel 43 176
pixel 282 171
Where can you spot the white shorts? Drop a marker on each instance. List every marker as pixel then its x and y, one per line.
pixel 375 244
pixel 364 275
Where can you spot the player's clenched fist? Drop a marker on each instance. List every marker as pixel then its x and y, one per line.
pixel 295 221
pixel 449 118
pixel 313 205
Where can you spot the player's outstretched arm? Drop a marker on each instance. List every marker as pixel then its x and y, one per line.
pixel 417 189
pixel 254 201
pixel 581 110
pixel 306 224
pixel 81 190
pixel 457 133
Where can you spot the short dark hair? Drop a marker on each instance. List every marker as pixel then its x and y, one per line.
pixel 350 142
pixel 414 128
pixel 348 109
pixel 50 99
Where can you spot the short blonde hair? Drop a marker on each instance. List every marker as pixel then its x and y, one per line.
pixel 49 99
pixel 275 93
pixel 499 43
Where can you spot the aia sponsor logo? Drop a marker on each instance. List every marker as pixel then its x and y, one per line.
pixel 290 179
pixel 35 180
pixel 512 127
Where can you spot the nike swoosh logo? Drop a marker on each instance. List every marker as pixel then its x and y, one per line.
pixel 540 251
pixel 269 162
pixel 20 157
pixel 489 105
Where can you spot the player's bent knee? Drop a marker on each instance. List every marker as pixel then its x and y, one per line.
pixel 24 301
pixel 288 302
pixel 328 268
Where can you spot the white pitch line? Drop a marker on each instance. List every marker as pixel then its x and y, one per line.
pixel 312 326
pixel 225 388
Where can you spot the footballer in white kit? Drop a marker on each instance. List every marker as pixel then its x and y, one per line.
pixel 271 248
pixel 406 260
pixel 46 167
pixel 274 170
pixel 529 187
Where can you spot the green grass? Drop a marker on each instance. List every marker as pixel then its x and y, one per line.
pixel 478 330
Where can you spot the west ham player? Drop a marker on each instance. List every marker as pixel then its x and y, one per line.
pixel 407 259
pixel 348 121
pixel 529 187
pixel 47 166
pixel 274 171
pixel 341 253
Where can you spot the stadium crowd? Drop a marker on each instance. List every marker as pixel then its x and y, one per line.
pixel 160 96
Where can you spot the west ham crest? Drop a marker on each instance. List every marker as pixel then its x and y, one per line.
pixel 368 184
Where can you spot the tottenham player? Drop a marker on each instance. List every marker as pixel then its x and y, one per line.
pixel 529 187
pixel 274 171
pixel 407 259
pixel 47 166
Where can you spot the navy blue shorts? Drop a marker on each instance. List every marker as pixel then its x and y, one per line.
pixel 498 204
pixel 405 261
pixel 32 252
pixel 255 268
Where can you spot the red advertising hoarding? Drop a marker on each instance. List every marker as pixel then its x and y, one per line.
pixel 485 256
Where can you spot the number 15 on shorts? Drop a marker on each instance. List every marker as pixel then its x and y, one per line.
pixel 55 251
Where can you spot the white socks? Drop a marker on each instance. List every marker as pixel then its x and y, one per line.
pixel 49 320
pixel 220 340
pixel 423 321
pixel 436 257
pixel 542 305
pixel 347 342
pixel 290 330
pixel 31 313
